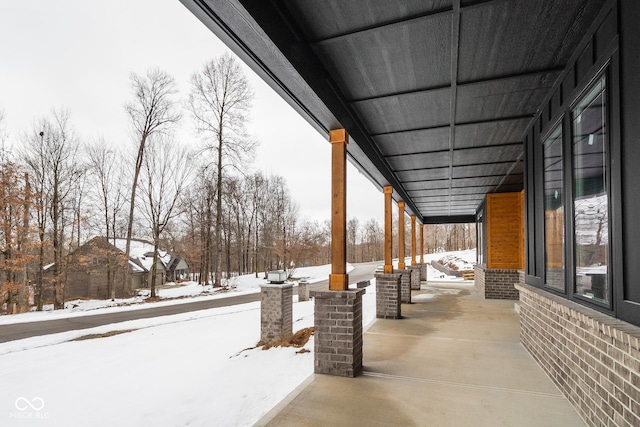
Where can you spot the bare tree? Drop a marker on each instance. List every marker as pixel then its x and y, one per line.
pixel 152 110
pixel 50 152
pixel 106 168
pixel 353 229
pixel 166 172
pixel 220 101
pixel 15 204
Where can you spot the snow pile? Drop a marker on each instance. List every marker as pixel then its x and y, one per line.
pixel 455 263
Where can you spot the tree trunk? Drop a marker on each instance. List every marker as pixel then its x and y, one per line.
pixel 134 188
pixel 218 254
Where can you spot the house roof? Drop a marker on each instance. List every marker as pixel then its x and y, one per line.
pixel 141 253
pixel 436 95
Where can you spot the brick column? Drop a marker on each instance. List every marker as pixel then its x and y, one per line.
pixel 338 332
pixel 276 312
pixel 388 296
pixel 423 271
pixel 303 291
pixel 414 273
pixel 405 285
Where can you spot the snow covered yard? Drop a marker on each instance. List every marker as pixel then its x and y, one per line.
pixel 187 369
pixel 196 368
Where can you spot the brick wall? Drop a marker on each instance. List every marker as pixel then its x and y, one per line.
pixel 405 285
pixel 593 358
pixel 414 270
pixel 338 332
pixel 496 283
pixel 478 279
pixel 276 312
pixel 423 271
pixel 388 296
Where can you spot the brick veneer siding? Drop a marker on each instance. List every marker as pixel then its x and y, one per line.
pixel 388 304
pixel 496 283
pixel 405 285
pixel 276 312
pixel 593 358
pixel 414 271
pixel 478 279
pixel 423 272
pixel 303 292
pixel 338 332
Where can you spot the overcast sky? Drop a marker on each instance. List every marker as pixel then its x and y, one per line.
pixel 79 54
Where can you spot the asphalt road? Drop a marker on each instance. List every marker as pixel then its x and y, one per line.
pixel 19 331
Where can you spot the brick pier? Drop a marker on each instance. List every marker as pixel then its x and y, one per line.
pixel 338 332
pixel 276 312
pixel 414 272
pixel 388 304
pixel 405 285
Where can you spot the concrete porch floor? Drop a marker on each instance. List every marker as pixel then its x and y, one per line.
pixel 452 360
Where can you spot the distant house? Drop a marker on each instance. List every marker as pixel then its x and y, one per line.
pixel 178 269
pixel 89 267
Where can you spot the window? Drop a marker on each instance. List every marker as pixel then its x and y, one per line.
pixel 591 201
pixel 554 210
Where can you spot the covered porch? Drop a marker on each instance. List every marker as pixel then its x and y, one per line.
pixel 466 111
pixel 454 359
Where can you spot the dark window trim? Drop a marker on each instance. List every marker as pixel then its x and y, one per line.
pixel 607 64
pixel 559 123
pixel 603 73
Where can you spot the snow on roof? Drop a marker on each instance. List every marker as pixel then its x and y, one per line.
pixel 143 252
pixel 135 268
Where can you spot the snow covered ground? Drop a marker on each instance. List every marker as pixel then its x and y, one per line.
pixel 196 369
pixel 177 294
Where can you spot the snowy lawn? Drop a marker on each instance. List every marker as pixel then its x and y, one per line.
pixel 196 368
pixel 187 369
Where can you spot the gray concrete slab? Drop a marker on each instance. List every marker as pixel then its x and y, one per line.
pixel 452 360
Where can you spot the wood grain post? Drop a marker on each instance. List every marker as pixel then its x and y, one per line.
pixel 388 221
pixel 413 240
pixel 421 243
pixel 338 279
pixel 401 263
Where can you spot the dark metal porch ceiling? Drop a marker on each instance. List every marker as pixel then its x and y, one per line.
pixel 436 95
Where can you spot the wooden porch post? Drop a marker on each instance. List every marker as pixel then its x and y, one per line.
pixel 338 279
pixel 413 240
pixel 388 241
pixel 401 263
pixel 421 243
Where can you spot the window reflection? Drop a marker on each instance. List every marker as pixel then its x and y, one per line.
pixel 591 202
pixel 554 211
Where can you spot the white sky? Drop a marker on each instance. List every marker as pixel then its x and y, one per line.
pixel 79 54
